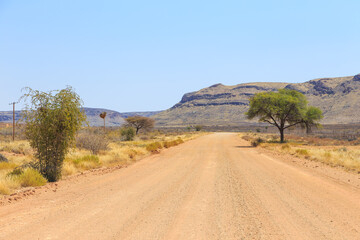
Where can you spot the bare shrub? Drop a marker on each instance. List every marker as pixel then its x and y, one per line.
pixel 93 142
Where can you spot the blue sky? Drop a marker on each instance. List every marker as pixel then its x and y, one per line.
pixel 144 55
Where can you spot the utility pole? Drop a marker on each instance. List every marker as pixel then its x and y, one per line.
pixel 13 133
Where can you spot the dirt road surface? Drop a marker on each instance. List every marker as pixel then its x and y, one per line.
pixel 214 187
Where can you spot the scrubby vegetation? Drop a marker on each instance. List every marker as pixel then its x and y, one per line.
pixel 333 152
pixel 93 150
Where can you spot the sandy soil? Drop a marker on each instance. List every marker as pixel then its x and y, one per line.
pixel 214 187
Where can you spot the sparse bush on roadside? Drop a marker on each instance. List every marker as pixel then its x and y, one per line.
pixel 92 142
pixel 198 128
pixel 52 121
pixel 28 177
pixel 127 133
pixel 257 142
pixel 154 147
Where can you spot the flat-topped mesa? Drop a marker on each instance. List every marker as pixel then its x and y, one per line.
pixel 357 77
pixel 338 98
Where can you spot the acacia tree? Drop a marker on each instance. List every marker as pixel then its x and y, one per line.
pixel 52 120
pixel 283 109
pixel 311 118
pixel 139 122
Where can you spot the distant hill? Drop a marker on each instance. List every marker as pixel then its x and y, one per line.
pixel 113 118
pixel 339 99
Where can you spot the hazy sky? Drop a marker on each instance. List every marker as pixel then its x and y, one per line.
pixel 144 55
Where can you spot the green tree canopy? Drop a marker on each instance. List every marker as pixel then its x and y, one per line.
pixel 52 121
pixel 283 109
pixel 311 118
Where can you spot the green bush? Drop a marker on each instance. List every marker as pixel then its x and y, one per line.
pixel 52 121
pixel 127 133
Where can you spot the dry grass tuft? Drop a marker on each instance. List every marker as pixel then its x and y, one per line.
pixel 31 178
pixel 154 147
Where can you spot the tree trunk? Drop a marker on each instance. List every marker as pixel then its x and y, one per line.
pixel 281 135
pixel 137 130
pixel 308 129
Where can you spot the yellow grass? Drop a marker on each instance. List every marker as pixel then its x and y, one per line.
pixel 343 156
pixel 17 147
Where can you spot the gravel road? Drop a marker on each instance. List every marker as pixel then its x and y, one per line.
pixel 213 187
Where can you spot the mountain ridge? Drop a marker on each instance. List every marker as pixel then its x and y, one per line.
pixel 113 118
pixel 219 104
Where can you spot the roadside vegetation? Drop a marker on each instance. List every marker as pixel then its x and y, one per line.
pixel 56 142
pixel 93 150
pixel 333 152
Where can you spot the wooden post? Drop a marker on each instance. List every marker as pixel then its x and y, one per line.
pixel 13 133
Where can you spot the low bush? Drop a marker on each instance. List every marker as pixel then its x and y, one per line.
pixel 29 177
pixel 127 133
pixel 154 147
pixel 92 142
pixel 257 142
pixel 198 128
